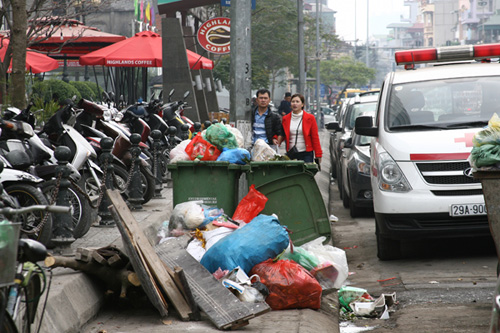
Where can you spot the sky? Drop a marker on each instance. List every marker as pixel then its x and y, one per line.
pixel 382 13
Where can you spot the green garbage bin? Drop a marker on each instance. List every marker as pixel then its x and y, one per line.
pixel 214 183
pixel 293 195
pixel 264 172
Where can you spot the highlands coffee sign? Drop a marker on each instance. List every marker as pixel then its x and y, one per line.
pixel 215 35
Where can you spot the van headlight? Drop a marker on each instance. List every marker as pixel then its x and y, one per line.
pixel 391 178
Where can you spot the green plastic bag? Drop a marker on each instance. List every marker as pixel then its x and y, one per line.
pixel 220 136
pixel 485 155
pixel 302 257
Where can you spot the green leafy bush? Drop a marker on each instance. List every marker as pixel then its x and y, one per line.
pixel 95 88
pixel 54 90
pixel 84 90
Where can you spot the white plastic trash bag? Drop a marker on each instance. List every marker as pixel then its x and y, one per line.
pixel 237 134
pixel 195 249
pixel 328 253
pixel 179 152
pixel 262 152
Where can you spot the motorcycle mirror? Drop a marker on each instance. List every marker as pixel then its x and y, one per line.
pixel 160 95
pixel 171 93
pixel 186 94
pixel 105 96
pixel 112 95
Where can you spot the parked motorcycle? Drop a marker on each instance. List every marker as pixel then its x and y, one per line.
pixel 23 150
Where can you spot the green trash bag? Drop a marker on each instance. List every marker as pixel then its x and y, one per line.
pixel 220 136
pixel 485 155
pixel 302 257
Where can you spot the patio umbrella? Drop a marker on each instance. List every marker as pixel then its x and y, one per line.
pixel 35 62
pixel 142 50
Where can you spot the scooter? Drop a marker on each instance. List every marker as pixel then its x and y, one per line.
pixel 105 126
pixel 23 150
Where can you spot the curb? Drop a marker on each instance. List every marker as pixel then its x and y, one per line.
pixel 75 297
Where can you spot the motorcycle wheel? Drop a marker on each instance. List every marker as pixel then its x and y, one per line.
pixel 81 211
pixel 148 184
pixel 28 195
pixel 147 179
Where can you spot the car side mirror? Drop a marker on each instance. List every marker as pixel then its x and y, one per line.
pixel 364 126
pixel 348 143
pixel 334 126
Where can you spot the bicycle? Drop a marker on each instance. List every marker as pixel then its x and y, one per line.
pixel 24 282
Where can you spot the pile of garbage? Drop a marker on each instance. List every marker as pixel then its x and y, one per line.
pixel 221 142
pixel 252 254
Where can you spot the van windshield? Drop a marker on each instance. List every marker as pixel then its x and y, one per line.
pixel 447 104
pixel 362 109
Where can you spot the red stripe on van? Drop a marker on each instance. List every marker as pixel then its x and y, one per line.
pixel 439 157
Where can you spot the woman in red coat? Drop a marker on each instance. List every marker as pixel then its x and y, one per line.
pixel 301 131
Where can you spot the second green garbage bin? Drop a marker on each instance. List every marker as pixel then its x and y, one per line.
pixel 293 195
pixel 214 183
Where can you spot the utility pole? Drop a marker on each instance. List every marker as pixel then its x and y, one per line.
pixel 318 83
pixel 302 58
pixel 367 32
pixel 241 70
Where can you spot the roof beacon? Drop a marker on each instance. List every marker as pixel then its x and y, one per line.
pixel 449 53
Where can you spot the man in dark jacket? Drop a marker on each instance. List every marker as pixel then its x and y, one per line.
pixel 285 106
pixel 266 125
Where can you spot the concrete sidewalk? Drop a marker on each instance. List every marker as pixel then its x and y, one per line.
pixel 75 302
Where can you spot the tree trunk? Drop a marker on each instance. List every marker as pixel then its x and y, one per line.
pixel 19 43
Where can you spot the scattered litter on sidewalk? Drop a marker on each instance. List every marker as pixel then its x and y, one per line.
pixel 333 218
pixel 359 302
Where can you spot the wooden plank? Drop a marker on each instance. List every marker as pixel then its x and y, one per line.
pixel 224 309
pixel 149 256
pixel 142 271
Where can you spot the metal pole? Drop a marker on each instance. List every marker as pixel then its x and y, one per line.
pixel 302 60
pixel 367 32
pixel 318 83
pixel 241 68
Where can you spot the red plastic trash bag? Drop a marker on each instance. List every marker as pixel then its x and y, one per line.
pixel 250 206
pixel 290 285
pixel 201 149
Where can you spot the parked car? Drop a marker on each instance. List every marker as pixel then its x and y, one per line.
pixel 342 129
pixel 422 181
pixel 357 192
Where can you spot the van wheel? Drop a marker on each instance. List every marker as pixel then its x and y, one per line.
pixel 387 249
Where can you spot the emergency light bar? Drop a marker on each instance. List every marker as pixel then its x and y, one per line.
pixel 448 53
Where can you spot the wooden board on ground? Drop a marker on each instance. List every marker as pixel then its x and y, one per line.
pixel 153 275
pixel 224 309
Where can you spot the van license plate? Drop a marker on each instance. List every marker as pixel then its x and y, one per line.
pixel 468 209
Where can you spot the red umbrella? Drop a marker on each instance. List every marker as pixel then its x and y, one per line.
pixel 35 62
pixel 142 50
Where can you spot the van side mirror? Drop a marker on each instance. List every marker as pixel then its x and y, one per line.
pixel 364 126
pixel 334 126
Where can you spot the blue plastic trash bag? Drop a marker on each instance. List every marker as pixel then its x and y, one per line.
pixel 263 238
pixel 236 155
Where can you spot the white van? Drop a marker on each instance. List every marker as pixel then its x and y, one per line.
pixel 422 182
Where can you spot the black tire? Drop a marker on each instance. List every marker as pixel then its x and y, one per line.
pixel 120 178
pixel 164 161
pixel 8 325
pixel 30 297
pixel 28 195
pixel 333 168
pixel 147 179
pixel 81 211
pixel 83 219
pixel 345 198
pixel 148 184
pixel 339 182
pixel 387 249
